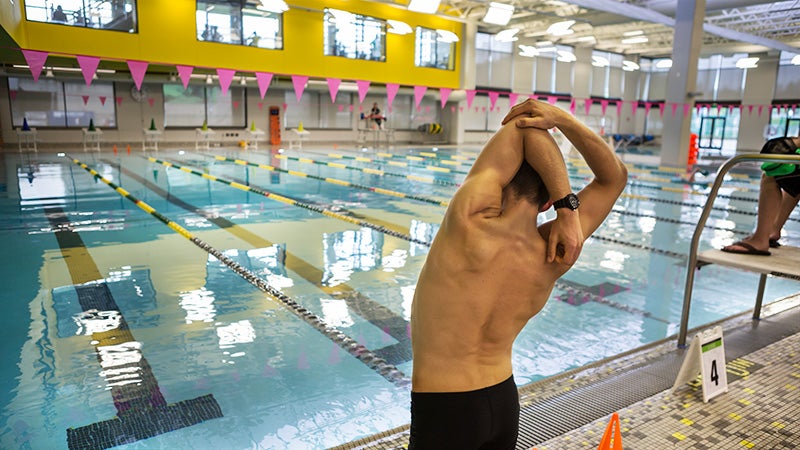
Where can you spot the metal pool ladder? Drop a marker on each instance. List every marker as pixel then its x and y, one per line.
pixel 784 261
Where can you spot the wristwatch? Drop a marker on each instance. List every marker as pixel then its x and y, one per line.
pixel 570 201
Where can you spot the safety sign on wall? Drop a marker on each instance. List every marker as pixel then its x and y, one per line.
pixel 706 356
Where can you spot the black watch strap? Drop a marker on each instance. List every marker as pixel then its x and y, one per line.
pixel 570 201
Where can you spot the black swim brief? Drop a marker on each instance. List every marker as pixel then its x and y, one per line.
pixel 487 418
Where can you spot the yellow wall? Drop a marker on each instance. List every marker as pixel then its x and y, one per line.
pixel 167 35
pixel 12 20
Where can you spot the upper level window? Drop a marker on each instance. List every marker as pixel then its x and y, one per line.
pixel 117 15
pixel 238 22
pixel 434 49
pixel 354 36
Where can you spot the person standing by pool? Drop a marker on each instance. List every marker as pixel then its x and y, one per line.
pixel 491 268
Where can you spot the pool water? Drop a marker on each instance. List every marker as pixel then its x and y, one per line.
pixel 118 330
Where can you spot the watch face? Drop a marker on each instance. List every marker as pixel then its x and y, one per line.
pixel 573 201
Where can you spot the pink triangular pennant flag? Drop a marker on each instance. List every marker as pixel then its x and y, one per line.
pixel 587 105
pixel 686 108
pixel 391 92
pixel 493 96
pixel 419 92
pixel 444 94
pixel 603 106
pixel 235 104
pixel 35 61
pixel 341 108
pixel 285 105
pixel 552 99
pixel 572 107
pixel 13 95
pixel 470 97
pixel 750 109
pixel 619 107
pixel 452 109
pixel 697 109
pixel 151 101
pixel 85 99
pixel 333 87
pixel 363 88
pixel 647 107
pixel 299 82
pixel 730 109
pixel 225 78
pixel 661 107
pixel 138 69
pixel 427 109
pixel 351 108
pixel 483 109
pixel 185 72
pixel 512 99
pixel 263 79
pixel 634 107
pixel 674 108
pixel 88 67
pixel 119 100
pixel 260 106
pixel 102 99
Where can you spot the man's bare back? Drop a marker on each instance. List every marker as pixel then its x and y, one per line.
pixel 491 268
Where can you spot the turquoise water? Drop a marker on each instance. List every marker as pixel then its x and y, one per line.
pixel 198 328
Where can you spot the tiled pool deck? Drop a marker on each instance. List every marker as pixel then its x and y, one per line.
pixel 760 410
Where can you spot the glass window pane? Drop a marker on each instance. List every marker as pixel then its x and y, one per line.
pixel 184 108
pixel 336 115
pixel 730 84
pixel 108 15
pixel 302 111
pixel 563 81
pixel 431 52
pixel 219 21
pixel 354 36
pixel 544 74
pixel 95 102
pixel 262 29
pixel 225 110
pixel 41 103
pixel 475 117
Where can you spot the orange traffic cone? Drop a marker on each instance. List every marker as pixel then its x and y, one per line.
pixel 612 439
pixel 115 149
pixel 129 149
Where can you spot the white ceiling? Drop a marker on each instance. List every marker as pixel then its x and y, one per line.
pixel 730 26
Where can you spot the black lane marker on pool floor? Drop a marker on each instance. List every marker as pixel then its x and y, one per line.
pixel 359 351
pixel 358 303
pixel 142 411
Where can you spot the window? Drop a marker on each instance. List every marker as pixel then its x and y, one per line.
pixel 494 61
pixel 354 36
pixel 432 52
pixel 315 110
pixel 51 103
pixel 117 15
pixel 235 22
pixel 197 104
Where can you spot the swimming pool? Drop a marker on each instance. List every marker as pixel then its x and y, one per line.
pixel 120 330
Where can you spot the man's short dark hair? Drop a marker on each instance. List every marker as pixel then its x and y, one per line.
pixel 528 184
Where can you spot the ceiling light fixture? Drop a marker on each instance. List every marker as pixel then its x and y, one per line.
pixel 635 40
pixel 629 66
pixel 424 6
pixel 796 60
pixel 447 37
pixel 664 64
pixel 561 28
pixel 209 80
pixel 565 56
pixel 273 6
pixel 528 51
pixel 398 27
pixel 633 33
pixel 599 61
pixel 509 35
pixel 747 63
pixel 498 13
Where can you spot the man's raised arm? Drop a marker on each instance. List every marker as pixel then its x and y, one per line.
pixel 599 196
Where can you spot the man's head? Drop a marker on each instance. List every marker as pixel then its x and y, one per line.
pixel 528 184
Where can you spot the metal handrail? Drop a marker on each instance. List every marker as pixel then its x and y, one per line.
pixel 687 293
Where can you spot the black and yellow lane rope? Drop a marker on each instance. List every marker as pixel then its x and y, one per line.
pixel 357 350
pixel 336 181
pixel 402 164
pixel 292 202
pixel 369 170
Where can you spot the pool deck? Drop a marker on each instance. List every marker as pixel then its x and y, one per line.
pixel 760 410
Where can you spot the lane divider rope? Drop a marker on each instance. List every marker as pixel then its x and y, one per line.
pixel 359 351
pixel 336 181
pixel 292 202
